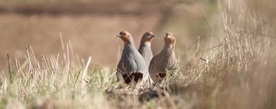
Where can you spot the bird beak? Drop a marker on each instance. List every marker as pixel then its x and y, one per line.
pixel 118 35
pixel 153 36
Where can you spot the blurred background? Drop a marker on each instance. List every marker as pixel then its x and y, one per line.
pixel 90 26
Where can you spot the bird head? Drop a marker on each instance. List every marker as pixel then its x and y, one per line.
pixel 169 40
pixel 148 36
pixel 125 36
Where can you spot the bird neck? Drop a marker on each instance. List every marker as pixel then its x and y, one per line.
pixel 129 43
pixel 168 47
pixel 144 44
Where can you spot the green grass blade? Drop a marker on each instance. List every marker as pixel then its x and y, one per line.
pixel 23 66
pixel 11 72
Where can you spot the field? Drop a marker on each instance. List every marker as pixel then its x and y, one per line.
pixel 55 54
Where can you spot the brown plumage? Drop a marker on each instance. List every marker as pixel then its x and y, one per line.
pixel 165 60
pixel 145 46
pixel 131 67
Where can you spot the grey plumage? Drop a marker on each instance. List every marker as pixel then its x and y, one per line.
pixel 131 66
pixel 145 46
pixel 165 60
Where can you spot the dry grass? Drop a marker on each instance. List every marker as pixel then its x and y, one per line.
pixel 238 73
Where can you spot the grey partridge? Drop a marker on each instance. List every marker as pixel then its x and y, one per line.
pixel 165 60
pixel 132 67
pixel 145 46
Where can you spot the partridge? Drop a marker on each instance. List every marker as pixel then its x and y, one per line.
pixel 132 67
pixel 145 46
pixel 165 60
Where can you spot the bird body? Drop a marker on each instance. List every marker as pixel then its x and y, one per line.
pixel 145 46
pixel 165 60
pixel 146 52
pixel 131 66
